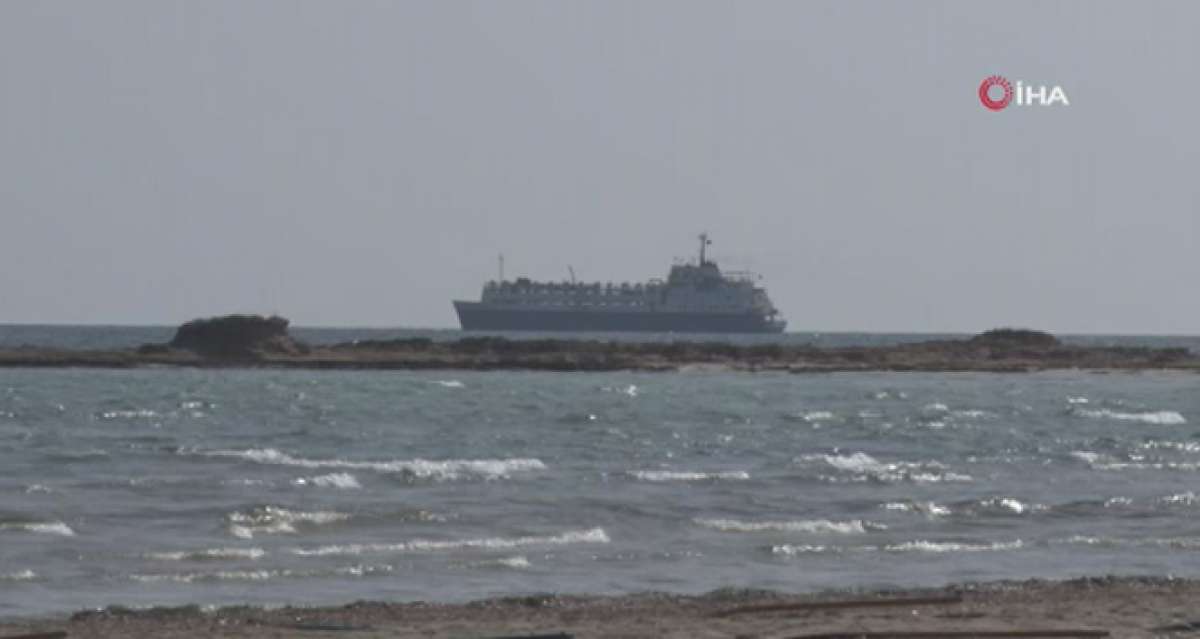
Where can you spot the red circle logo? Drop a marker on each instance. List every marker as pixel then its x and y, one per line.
pixel 995 81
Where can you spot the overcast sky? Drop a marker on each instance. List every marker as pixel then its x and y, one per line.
pixel 363 163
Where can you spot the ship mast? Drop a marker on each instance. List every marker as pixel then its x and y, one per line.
pixel 704 241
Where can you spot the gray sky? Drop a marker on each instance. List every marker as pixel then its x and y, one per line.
pixel 362 163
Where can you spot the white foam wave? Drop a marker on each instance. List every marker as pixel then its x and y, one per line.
pixel 927 508
pixel 1010 504
pixel 1188 498
pixel 865 466
pixel 345 481
pixel 949 546
pixel 674 475
pixel 630 390
pixel 273 520
pixel 421 468
pixel 143 413
pixel 262 574
pixel 591 536
pixel 1162 417
pixel 818 416
pixel 223 575
pixel 856 526
pixel 1088 457
pixel 792 550
pixel 20 575
pixel 449 383
pixel 971 413
pixel 209 554
pixel 48 528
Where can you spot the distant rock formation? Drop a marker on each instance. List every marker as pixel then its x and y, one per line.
pixel 237 336
pixel 1015 338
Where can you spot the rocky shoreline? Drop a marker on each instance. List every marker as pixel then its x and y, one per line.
pixel 242 341
pixel 1085 607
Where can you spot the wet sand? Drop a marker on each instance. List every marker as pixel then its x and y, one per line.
pixel 1125 607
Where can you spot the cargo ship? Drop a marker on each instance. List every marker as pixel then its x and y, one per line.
pixel 696 297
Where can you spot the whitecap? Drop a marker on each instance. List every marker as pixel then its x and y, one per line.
pixel 209 554
pixel 420 468
pixel 590 536
pixel 936 407
pixel 224 575
pixel 971 414
pixel 449 383
pixel 949 546
pixel 791 550
pixel 344 481
pixel 856 526
pixel 20 575
pixel 818 416
pixel 928 508
pixel 48 528
pixel 674 475
pixel 864 466
pixel 273 520
pixel 1186 499
pixel 1089 457
pixel 1162 417
pixel 141 413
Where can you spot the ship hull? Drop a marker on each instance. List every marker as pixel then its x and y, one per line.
pixel 476 316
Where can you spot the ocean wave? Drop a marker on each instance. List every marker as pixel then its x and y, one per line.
pixel 927 508
pixel 1169 543
pixel 864 466
pixel 20 575
pixel 856 526
pixel 48 528
pixel 209 554
pixel 449 383
pixel 1003 506
pixel 273 520
pixel 675 475
pixel 1162 417
pixel 222 575
pixel 791 550
pixel 263 574
pixel 518 562
pixel 951 546
pixel 971 413
pixel 420 468
pixel 591 536
pixel 345 481
pixel 818 416
pixel 138 413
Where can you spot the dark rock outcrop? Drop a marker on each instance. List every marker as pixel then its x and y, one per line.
pixel 237 336
pixel 1012 338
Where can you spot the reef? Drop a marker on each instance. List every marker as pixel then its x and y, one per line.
pixel 255 341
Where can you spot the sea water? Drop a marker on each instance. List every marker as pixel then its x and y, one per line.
pixel 175 486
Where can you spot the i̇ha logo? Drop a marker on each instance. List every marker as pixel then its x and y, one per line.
pixel 996 93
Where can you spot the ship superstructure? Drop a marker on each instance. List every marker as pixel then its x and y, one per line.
pixel 696 297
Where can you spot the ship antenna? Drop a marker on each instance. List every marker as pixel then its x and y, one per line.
pixel 572 271
pixel 704 241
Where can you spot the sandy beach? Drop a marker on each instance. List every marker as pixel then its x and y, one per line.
pixel 1123 607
